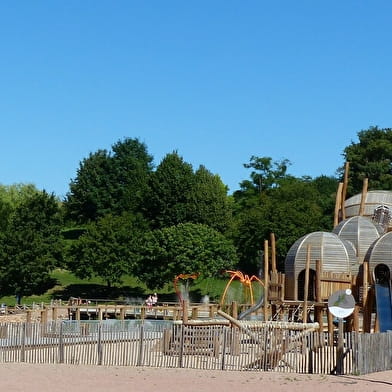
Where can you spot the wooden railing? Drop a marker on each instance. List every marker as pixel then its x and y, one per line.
pixel 168 344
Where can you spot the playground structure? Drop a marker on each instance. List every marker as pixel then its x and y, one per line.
pixel 355 255
pixel 294 329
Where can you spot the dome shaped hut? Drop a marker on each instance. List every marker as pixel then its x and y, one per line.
pixel 361 231
pixel 376 205
pixel 379 257
pixel 336 256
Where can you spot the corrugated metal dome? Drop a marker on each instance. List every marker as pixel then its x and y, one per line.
pixel 336 255
pixel 380 252
pixel 373 200
pixel 361 231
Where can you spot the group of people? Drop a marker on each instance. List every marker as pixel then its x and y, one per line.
pixel 152 300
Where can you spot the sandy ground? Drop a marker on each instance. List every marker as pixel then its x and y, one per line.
pixel 59 378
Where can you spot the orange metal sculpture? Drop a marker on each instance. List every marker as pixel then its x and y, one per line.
pixel 182 276
pixel 245 280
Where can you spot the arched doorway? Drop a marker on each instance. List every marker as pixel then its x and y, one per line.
pixel 381 274
pixel 311 286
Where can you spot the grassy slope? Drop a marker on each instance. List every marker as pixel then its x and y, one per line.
pixel 68 285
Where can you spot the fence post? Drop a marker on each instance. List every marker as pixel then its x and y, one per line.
pixel 224 343
pixel 141 343
pixel 61 344
pixel 181 348
pixel 99 343
pixel 23 343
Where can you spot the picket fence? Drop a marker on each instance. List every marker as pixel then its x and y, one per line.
pixel 167 344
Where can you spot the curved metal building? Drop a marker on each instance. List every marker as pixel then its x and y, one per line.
pixel 335 254
pixel 373 200
pixel 361 231
pixel 379 255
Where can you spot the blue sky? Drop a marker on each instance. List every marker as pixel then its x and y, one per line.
pixel 218 81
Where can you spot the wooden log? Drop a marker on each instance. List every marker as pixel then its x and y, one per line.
pixel 344 190
pixel 306 288
pixel 266 280
pixel 273 252
pixel 338 204
pixel 363 196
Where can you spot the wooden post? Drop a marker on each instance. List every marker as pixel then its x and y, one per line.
pixel 338 204
pixel 340 348
pixel 184 311
pixel 356 319
pixel 195 313
pixel 344 190
pixel 363 196
pixel 365 283
pixel 28 316
pixel 266 280
pixel 273 252
pixel 122 313
pixel 234 309
pixel 306 288
pixel 319 309
pixel 44 316
pixel 330 327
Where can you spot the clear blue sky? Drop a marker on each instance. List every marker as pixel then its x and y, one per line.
pixel 217 80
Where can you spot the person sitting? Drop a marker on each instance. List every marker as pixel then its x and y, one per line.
pixel 149 301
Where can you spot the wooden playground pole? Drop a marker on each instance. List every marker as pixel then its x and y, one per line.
pixel 344 190
pixel 319 310
pixel 306 288
pixel 363 196
pixel 338 204
pixel 273 252
pixel 185 311
pixel 266 280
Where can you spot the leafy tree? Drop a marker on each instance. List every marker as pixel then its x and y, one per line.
pixel 10 197
pixel 184 248
pixel 108 249
pixel 180 195
pixel 32 246
pixel 170 200
pixel 266 174
pixel 284 205
pixel 211 205
pixel 110 183
pixel 370 158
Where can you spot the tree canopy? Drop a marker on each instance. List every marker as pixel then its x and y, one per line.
pixel 108 249
pixel 110 183
pixel 370 157
pixel 184 248
pixel 32 246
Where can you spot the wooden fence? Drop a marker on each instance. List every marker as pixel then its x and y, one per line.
pixel 167 344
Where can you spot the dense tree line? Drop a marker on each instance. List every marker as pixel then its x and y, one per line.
pixel 122 215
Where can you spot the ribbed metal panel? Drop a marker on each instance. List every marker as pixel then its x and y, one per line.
pixel 361 232
pixel 336 255
pixel 380 252
pixel 372 201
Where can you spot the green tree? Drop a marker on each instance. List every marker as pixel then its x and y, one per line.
pixel 108 249
pixel 10 197
pixel 284 205
pixel 184 248
pixel 180 195
pixel 370 157
pixel 211 205
pixel 110 183
pixel 170 199
pixel 32 246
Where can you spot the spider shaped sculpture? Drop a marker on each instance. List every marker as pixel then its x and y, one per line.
pixel 245 280
pixel 182 277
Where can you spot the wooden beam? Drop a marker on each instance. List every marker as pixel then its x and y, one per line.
pixel 338 204
pixel 363 196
